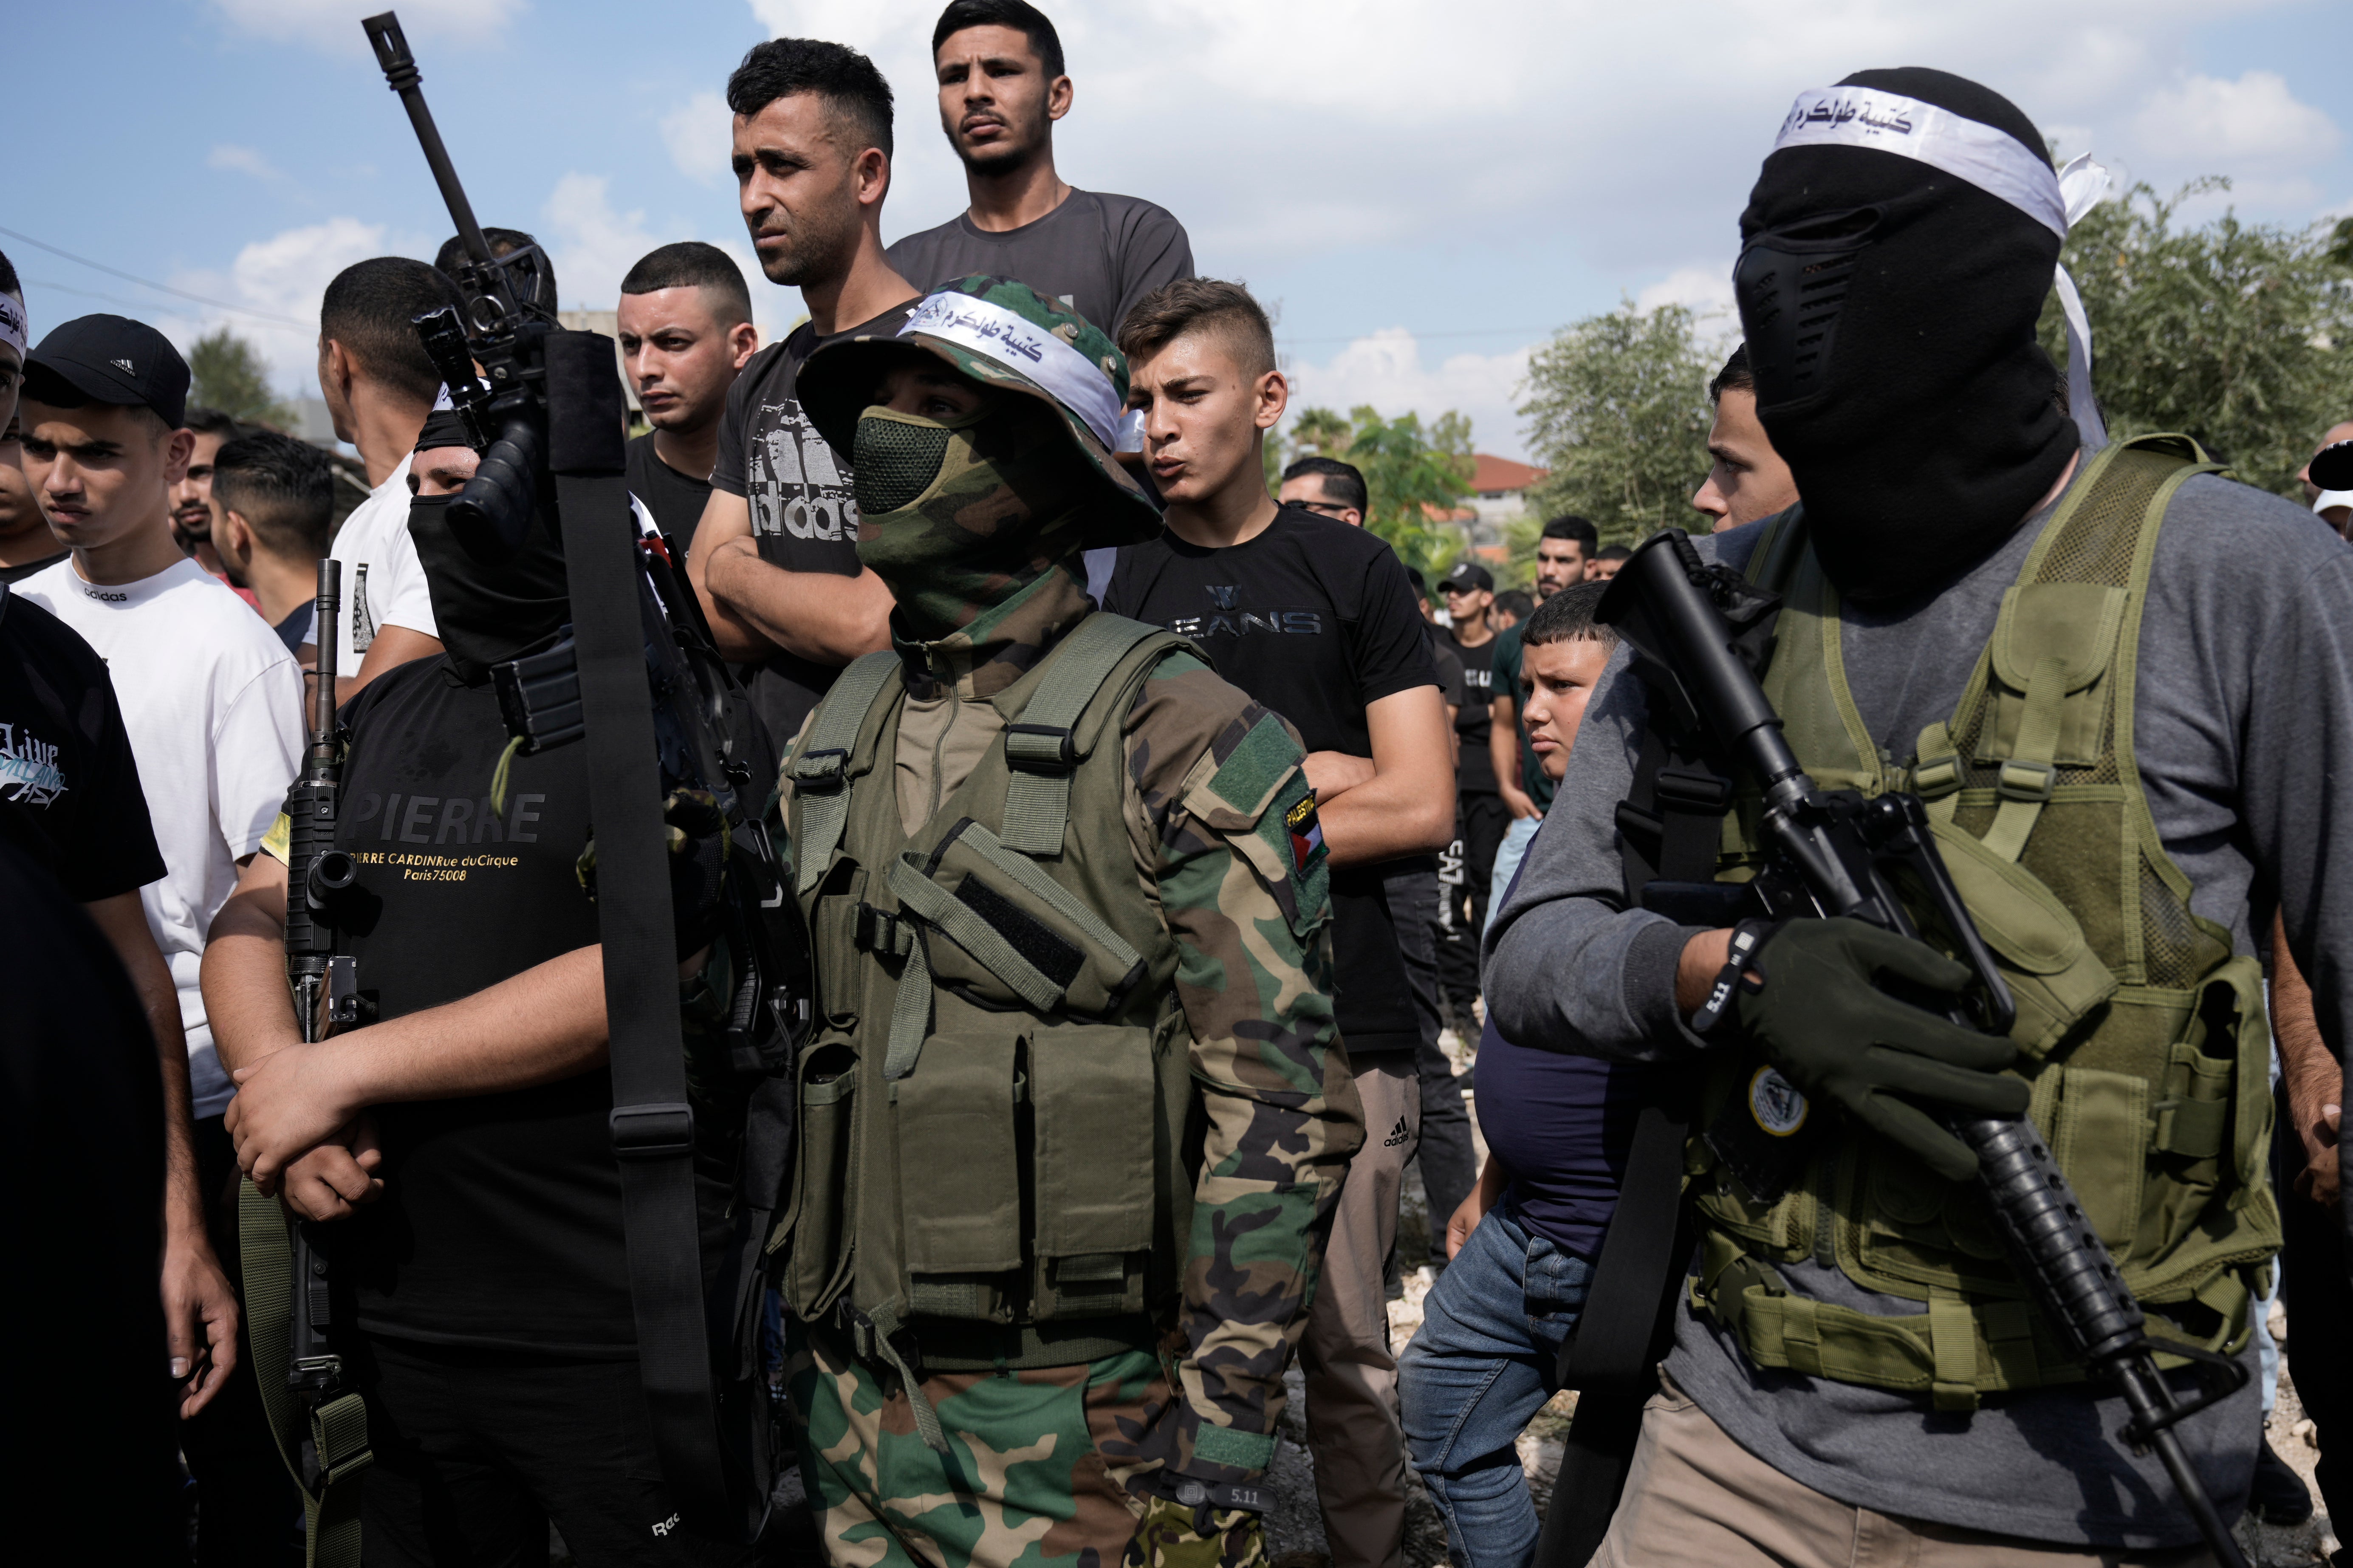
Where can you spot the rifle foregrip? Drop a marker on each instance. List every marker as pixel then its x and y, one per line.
pixel 2060 1256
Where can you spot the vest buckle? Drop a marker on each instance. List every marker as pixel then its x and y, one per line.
pixel 2021 779
pixel 1040 748
pixel 821 769
pixel 880 931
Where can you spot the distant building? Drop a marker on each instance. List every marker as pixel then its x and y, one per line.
pixel 1498 491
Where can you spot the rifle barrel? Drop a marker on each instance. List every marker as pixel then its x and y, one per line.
pixel 400 70
pixel 326 628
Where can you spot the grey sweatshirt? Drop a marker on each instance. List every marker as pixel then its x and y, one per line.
pixel 2243 720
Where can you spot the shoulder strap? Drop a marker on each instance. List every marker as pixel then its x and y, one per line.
pixel 326 1447
pixel 821 767
pixel 1043 748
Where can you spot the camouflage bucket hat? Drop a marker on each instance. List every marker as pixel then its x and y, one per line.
pixel 1001 333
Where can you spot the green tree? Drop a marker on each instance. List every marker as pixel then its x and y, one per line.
pixel 226 373
pixel 1617 408
pixel 1411 473
pixel 2236 333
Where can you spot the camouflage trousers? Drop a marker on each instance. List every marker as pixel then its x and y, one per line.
pixel 1035 1476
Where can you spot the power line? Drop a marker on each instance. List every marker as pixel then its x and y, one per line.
pixel 143 283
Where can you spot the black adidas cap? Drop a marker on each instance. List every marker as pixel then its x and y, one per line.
pixel 109 359
pixel 1469 574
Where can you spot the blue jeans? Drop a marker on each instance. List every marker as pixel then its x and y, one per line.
pixel 1480 1365
pixel 1508 856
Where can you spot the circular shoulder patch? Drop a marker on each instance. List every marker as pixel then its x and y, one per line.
pixel 1775 1103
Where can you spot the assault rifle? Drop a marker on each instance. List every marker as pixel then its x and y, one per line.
pixel 325 983
pixel 1832 853
pixel 638 680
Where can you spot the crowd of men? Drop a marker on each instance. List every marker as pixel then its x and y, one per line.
pixel 1165 844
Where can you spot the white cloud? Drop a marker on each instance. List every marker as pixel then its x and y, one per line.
pixel 593 245
pixel 334 25
pixel 700 134
pixel 283 277
pixel 1631 132
pixel 1386 371
pixel 1707 292
pixel 2252 122
pixel 242 161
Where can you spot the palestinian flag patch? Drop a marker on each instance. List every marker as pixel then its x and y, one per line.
pixel 1306 835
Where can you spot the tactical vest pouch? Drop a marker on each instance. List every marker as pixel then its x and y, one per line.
pixel 960 1175
pixel 1054 1121
pixel 818 1263
pixel 2052 972
pixel 1015 937
pixel 2049 656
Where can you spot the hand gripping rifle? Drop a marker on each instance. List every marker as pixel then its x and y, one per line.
pixel 636 680
pixel 1830 853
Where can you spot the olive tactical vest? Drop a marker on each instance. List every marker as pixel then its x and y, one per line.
pixel 2145 1040
pixel 994 1104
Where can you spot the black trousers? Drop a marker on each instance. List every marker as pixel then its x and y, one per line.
pixel 2319 1300
pixel 248 1514
pixel 476 1451
pixel 1481 821
pixel 1448 1165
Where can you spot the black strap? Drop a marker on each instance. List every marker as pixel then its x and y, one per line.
pixel 1611 1357
pixel 1642 1255
pixel 653 1125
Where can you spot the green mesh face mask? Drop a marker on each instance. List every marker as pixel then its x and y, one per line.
pixel 895 460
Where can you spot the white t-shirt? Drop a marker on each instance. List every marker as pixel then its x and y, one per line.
pixel 213 704
pixel 383 586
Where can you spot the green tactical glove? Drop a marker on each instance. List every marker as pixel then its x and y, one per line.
pixel 1822 1021
pixel 1172 1535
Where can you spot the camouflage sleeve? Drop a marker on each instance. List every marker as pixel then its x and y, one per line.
pixel 1225 831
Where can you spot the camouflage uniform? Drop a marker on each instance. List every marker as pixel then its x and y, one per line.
pixel 1050 1464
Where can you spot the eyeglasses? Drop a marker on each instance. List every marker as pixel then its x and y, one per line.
pixel 1329 509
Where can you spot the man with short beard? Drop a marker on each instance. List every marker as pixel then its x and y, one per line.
pixel 2145 753
pixel 998 64
pixel 685 330
pixel 774 559
pixel 192 498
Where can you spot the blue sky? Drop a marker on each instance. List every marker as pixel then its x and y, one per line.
pixel 1423 189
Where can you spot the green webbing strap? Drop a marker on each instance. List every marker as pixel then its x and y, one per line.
pixel 885 1320
pixel 2028 774
pixel 338 1427
pixel 820 768
pixel 911 1015
pixel 1039 885
pixel 1039 748
pixel 964 926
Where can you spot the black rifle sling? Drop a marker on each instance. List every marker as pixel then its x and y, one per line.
pixel 653 1128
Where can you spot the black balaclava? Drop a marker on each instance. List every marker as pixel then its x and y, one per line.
pixel 1889 308
pixel 488 611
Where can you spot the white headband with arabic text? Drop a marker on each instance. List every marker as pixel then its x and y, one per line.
pixel 1027 349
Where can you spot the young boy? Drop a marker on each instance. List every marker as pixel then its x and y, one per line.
pixel 1522 1245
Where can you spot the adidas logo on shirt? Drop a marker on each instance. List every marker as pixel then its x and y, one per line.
pixel 1399 1134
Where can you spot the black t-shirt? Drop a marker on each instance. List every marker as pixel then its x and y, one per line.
pixel 1475 774
pixel 676 500
pixel 1097 254
pixel 18 573
pixel 69 794
pixel 1315 620
pixel 804 517
pixel 79 1092
pixel 500 1220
